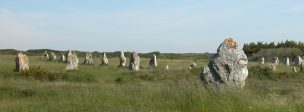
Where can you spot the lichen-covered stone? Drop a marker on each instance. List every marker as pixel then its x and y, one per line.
pixel 72 61
pixel 122 59
pixel 153 61
pixel 88 59
pixel 227 67
pixel 104 59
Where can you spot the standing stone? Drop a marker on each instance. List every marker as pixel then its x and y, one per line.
pixel 122 59
pixel 53 56
pixel 298 60
pixel 153 61
pixel 192 66
pixel 62 58
pixel 88 59
pixel 286 61
pixel 276 60
pixel 22 62
pixel 166 67
pixel 104 60
pixel 294 69
pixel 134 61
pixel 262 60
pixel 73 61
pixel 46 56
pixel 227 67
pixel 273 67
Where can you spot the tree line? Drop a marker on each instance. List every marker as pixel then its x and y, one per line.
pixel 254 47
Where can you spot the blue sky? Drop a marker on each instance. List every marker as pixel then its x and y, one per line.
pixel 146 25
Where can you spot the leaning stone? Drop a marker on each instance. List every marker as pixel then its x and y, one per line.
pixel 122 59
pixel 134 61
pixel 45 56
pixel 227 67
pixel 153 61
pixel 72 61
pixel 88 59
pixel 104 60
pixel 22 62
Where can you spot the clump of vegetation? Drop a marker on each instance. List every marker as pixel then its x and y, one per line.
pixel 265 73
pixel 37 72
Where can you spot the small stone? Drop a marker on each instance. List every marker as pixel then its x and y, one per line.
pixel 22 62
pixel 286 61
pixel 88 59
pixel 166 67
pixel 294 69
pixel 298 60
pixel 62 58
pixel 45 56
pixel 192 66
pixel 273 67
pixel 53 56
pixel 276 60
pixel 262 60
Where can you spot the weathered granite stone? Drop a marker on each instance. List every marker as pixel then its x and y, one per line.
pixel 45 56
pixel 62 58
pixel 153 61
pixel 262 60
pixel 134 61
pixel 22 62
pixel 192 66
pixel 104 59
pixel 72 61
pixel 276 60
pixel 53 56
pixel 88 59
pixel 227 67
pixel 298 60
pixel 122 59
pixel 286 61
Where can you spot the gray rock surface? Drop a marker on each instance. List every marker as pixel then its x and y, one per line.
pixel 262 60
pixel 22 62
pixel 53 56
pixel 72 61
pixel 62 58
pixel 88 59
pixel 134 61
pixel 276 60
pixel 227 67
pixel 45 56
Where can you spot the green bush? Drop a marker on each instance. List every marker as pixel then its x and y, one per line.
pixel 262 73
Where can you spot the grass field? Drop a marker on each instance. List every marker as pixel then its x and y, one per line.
pixel 109 88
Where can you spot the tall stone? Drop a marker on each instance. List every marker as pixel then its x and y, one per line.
pixel 122 59
pixel 153 61
pixel 53 56
pixel 276 60
pixel 104 60
pixel 62 58
pixel 262 60
pixel 134 61
pixel 294 69
pixel 286 61
pixel 88 59
pixel 227 67
pixel 298 60
pixel 72 61
pixel 22 62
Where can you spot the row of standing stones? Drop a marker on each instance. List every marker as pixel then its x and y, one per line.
pixel 228 67
pixel 298 62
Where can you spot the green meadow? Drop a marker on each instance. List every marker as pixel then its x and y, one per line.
pixel 109 88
